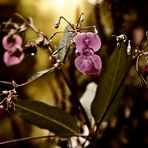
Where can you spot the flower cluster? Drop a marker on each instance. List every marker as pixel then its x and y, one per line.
pixel 87 62
pixel 13 54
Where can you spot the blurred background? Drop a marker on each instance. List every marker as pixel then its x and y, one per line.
pixel 112 17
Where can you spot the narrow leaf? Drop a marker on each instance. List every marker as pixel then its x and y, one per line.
pixel 40 73
pixel 110 83
pixel 62 50
pixel 48 117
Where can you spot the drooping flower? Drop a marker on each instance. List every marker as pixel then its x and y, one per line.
pixel 87 62
pixel 13 54
pixel 87 40
pixel 11 59
pixel 10 42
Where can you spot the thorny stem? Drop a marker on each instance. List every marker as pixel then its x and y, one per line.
pixel 39 137
pixel 76 100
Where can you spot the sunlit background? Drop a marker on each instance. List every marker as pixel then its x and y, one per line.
pixel 110 17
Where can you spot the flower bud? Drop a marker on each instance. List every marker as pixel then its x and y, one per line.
pixel 30 48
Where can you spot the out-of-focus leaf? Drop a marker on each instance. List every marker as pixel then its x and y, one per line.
pixel 110 82
pixel 48 117
pixel 40 73
pixel 64 43
pixel 88 97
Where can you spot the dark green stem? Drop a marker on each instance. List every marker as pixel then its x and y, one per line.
pixel 77 102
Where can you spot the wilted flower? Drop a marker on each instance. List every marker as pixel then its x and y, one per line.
pixel 11 42
pixel 87 62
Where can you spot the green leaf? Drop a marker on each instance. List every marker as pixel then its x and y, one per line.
pixel 48 117
pixel 110 83
pixel 114 105
pixel 63 47
pixel 40 73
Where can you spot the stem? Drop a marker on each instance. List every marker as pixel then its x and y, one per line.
pixel 58 50
pixel 36 76
pixel 31 25
pixel 77 102
pixel 39 137
pixel 58 33
pixel 61 17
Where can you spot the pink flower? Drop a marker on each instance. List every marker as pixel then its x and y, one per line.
pixel 2 107
pixel 88 64
pixel 13 54
pixel 2 110
pixel 10 42
pixel 87 40
pixel 13 58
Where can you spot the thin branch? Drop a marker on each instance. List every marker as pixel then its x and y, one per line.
pixel 59 21
pixel 40 137
pixel 76 100
pixel 60 32
pixel 35 77
pixel 5 82
pixel 31 25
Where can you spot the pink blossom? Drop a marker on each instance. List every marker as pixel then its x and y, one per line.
pixel 14 58
pixel 87 40
pixel 2 107
pixel 10 42
pixel 13 54
pixel 2 110
pixel 88 64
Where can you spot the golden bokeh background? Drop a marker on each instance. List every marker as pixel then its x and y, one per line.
pixel 110 17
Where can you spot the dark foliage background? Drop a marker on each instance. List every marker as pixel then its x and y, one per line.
pixel 128 127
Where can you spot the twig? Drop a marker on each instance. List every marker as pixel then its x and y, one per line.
pixel 39 137
pixel 76 100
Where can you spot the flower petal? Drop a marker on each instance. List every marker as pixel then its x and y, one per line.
pixel 90 64
pixel 11 45
pixel 13 59
pixel 87 40
pixel 80 45
pixel 94 41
